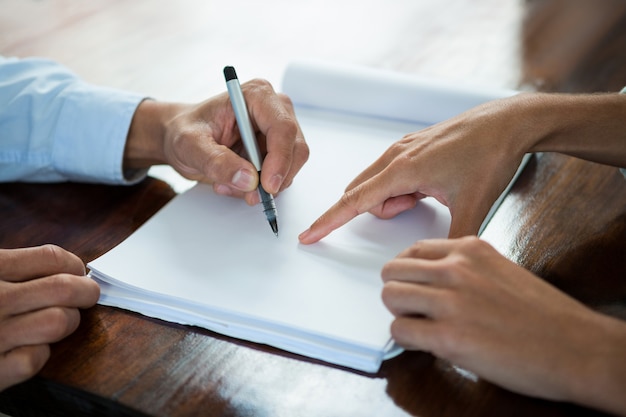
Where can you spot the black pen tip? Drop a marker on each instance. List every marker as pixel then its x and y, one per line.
pixel 274 226
pixel 229 73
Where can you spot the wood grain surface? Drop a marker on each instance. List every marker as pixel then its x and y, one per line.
pixel 565 219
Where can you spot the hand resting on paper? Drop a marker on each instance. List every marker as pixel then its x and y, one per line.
pixel 467 161
pixel 202 141
pixel 462 301
pixel 41 290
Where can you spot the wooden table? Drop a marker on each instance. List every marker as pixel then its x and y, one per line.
pixel 564 220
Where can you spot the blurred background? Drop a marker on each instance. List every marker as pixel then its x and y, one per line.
pixel 176 50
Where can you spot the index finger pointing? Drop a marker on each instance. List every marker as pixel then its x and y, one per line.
pixel 353 202
pixel 336 216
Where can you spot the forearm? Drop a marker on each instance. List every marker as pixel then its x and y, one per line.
pixel 591 127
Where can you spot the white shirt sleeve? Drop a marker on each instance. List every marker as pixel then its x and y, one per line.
pixel 55 127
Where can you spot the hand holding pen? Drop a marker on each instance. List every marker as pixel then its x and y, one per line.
pixel 201 141
pixel 249 139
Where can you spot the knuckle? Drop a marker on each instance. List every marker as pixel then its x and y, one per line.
pixel 94 291
pixel 472 249
pixel 302 151
pixel 350 200
pixel 218 157
pixel 260 83
pixel 398 146
pixel 386 272
pixel 54 255
pixel 289 125
pixel 286 100
pixel 64 287
pixel 258 87
pixel 69 289
pixel 397 149
pixel 61 260
pixel 414 250
pixel 387 293
pixel 397 331
pixel 400 332
pixel 60 322
pixel 473 244
pixel 286 130
pixel 400 163
pixel 455 270
pixel 403 332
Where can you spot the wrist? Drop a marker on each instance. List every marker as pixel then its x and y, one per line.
pixel 520 122
pixel 144 144
pixel 534 120
pixel 602 367
pixel 587 126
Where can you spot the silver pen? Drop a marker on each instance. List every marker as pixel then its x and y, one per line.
pixel 249 142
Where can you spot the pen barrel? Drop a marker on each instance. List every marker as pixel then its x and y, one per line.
pixel 248 138
pixel 243 122
pixel 269 206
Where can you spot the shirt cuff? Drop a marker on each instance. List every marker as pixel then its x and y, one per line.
pixel 98 119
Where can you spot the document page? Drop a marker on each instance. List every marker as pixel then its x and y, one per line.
pixel 213 261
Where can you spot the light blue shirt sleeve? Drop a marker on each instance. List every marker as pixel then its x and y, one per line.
pixel 55 127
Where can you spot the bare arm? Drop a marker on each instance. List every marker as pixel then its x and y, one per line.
pixel 467 161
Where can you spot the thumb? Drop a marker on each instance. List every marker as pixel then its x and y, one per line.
pixel 219 165
pixel 244 179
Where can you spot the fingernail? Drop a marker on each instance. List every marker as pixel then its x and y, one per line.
pixel 303 235
pixel 244 180
pixel 275 183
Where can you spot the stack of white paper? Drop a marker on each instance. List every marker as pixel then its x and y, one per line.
pixel 214 262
